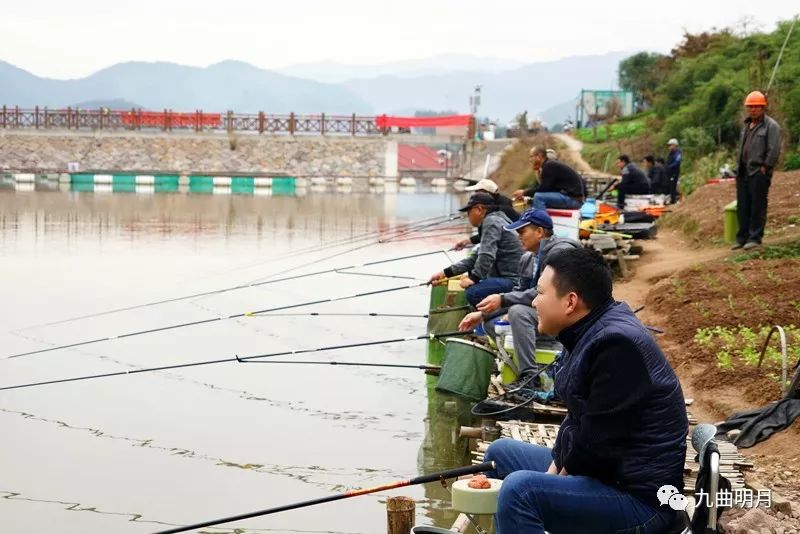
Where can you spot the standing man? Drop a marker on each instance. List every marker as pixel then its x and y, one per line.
pixel 535 231
pixel 634 181
pixel 559 187
pixel 624 436
pixel 673 169
pixel 759 149
pixel 494 268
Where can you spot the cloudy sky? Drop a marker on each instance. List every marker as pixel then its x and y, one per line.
pixel 68 39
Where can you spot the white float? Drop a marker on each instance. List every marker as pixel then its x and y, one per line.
pixel 145 179
pixel 103 179
pixel 300 182
pixel 408 181
pixel 24 177
pixel 221 189
pixel 64 178
pixel 262 181
pixel 439 182
pixel 319 180
pixel 221 181
pixel 344 180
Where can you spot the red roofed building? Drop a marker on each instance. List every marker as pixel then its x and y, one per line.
pixel 420 161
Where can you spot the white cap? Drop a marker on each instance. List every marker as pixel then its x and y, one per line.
pixel 672 141
pixel 483 185
pixel 552 154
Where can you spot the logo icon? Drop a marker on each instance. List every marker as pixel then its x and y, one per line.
pixel 670 495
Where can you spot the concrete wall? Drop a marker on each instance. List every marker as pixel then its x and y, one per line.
pixel 203 153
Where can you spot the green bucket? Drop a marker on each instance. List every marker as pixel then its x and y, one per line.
pixel 730 223
pixel 467 369
pixel 448 305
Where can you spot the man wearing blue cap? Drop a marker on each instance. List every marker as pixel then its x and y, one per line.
pixel 493 268
pixel 535 232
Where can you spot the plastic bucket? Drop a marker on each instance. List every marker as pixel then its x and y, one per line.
pixel 467 369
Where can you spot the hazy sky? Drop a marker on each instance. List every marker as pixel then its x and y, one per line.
pixel 73 38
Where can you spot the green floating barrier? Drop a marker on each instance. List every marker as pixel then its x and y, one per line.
pixel 82 179
pixel 447 308
pixel 167 180
pixel 283 186
pixel 201 181
pixel 123 180
pixel 242 186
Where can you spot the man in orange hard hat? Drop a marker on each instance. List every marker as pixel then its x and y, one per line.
pixel 759 149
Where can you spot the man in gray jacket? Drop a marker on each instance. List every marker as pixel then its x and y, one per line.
pixel 759 149
pixel 535 231
pixel 493 268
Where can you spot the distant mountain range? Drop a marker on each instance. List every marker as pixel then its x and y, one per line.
pixel 437 83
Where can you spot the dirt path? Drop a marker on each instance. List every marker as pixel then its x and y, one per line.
pixel 574 147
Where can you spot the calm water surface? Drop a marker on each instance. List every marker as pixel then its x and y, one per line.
pixel 135 454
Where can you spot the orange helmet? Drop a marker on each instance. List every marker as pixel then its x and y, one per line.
pixel 756 98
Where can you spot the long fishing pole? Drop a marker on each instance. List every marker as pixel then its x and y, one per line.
pixel 234 359
pixel 232 288
pixel 343 314
pixel 424 367
pixel 424 479
pixel 211 320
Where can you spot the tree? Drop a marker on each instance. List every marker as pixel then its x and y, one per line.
pixel 641 74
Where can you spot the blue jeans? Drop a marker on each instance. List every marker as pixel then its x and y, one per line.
pixel 487 286
pixel 531 500
pixel 542 201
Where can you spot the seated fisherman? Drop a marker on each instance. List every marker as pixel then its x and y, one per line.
pixel 624 435
pixel 558 185
pixel 493 268
pixel 634 181
pixel 535 231
pixel 503 203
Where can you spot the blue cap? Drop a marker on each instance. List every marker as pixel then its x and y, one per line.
pixel 535 217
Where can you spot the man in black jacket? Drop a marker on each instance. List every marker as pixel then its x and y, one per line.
pixel 657 174
pixel 624 437
pixel 559 187
pixel 634 181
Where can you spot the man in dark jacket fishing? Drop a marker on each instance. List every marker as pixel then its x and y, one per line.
pixel 503 203
pixel 535 231
pixel 759 148
pixel 559 186
pixel 624 436
pixel 657 175
pixel 493 269
pixel 634 181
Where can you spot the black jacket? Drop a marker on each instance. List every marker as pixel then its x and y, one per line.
pixel 659 183
pixel 557 177
pixel 634 181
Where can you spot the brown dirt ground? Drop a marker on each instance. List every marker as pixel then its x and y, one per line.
pixel 700 216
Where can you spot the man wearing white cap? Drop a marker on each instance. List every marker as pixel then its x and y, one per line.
pixel 673 167
pixel 503 203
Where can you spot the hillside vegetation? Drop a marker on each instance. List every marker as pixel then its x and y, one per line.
pixel 696 94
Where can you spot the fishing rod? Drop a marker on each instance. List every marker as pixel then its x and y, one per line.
pixel 348 251
pixel 372 234
pixel 370 314
pixel 211 320
pixel 234 359
pixel 429 369
pixel 229 289
pixel 424 479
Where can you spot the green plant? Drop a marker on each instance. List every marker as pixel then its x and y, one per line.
pixel 742 345
pixel 680 290
pixel 792 162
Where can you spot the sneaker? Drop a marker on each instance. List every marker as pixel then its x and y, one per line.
pixel 737 246
pixel 750 245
